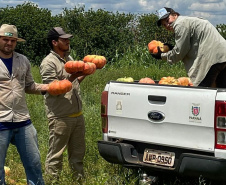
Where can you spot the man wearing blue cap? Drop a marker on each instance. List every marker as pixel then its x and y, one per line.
pixel 198 45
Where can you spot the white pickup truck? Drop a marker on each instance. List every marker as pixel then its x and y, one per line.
pixel 165 128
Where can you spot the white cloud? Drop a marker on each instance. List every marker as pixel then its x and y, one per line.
pixel 210 1
pixel 8 2
pixel 213 10
pixel 211 7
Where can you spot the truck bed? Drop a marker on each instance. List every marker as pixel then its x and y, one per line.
pixel 170 115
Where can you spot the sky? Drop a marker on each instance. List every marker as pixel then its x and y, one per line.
pixel 212 10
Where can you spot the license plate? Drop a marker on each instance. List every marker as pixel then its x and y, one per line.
pixel 159 157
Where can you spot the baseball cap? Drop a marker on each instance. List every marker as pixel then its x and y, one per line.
pixel 58 32
pixel 164 13
pixel 7 30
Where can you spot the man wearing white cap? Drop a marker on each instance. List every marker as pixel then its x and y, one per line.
pixel 198 45
pixel 15 123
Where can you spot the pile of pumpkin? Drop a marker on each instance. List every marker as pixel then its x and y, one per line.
pixel 183 81
pixel 87 66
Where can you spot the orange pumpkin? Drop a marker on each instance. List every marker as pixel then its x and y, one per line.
pixel 98 60
pixel 169 81
pixel 88 58
pixel 58 87
pixel 74 66
pixel 146 80
pixel 93 66
pixel 89 68
pixel 154 44
pixel 185 81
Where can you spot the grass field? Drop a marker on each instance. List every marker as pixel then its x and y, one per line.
pixel 97 170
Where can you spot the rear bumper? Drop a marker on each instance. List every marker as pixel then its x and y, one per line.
pixel 187 164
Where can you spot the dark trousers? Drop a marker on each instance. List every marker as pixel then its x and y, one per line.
pixel 216 76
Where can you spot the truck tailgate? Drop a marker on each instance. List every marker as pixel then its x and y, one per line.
pixel 170 115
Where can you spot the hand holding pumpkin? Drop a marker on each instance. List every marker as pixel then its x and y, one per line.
pixel 89 68
pixel 80 67
pixel 170 46
pixel 158 54
pixel 154 45
pixel 74 66
pixel 58 87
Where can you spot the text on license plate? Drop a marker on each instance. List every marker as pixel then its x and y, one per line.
pixel 159 157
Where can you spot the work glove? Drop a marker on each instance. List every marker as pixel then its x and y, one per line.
pixel 157 55
pixel 169 45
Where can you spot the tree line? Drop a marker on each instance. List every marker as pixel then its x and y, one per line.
pixel 94 32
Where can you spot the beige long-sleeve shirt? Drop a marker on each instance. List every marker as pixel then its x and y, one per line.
pixel 13 106
pixel 52 68
pixel 198 44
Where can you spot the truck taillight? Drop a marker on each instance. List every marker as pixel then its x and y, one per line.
pixel 220 125
pixel 104 105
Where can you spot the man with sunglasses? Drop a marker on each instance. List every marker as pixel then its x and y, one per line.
pixel 198 45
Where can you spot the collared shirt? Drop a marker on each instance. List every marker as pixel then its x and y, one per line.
pixel 52 68
pixel 8 63
pixel 198 44
pixel 13 106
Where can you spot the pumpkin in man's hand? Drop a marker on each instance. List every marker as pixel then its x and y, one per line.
pixel 74 66
pixel 58 87
pixel 154 44
pixel 98 60
pixel 89 68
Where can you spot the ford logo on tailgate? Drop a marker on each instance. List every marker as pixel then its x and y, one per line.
pixel 156 116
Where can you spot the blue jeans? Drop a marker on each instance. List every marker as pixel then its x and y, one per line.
pixel 25 140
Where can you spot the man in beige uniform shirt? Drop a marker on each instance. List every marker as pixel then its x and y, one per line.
pixel 64 112
pixel 198 45
pixel 15 123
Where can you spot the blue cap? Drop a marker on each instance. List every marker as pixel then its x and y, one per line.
pixel 164 13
